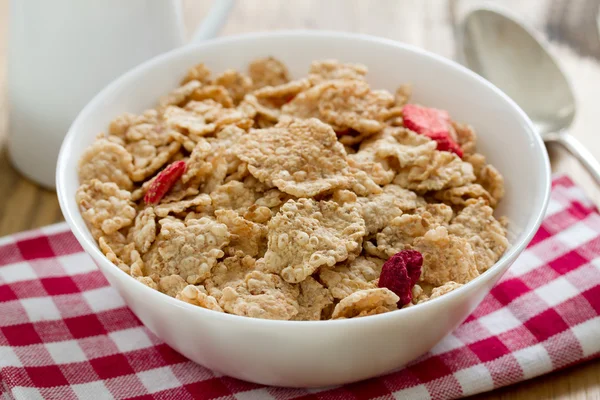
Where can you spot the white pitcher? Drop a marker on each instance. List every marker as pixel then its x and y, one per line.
pixel 62 52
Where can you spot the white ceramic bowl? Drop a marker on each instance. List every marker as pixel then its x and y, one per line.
pixel 308 354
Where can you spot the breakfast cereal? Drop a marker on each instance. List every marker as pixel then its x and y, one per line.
pixel 307 234
pixel 366 302
pixel 255 194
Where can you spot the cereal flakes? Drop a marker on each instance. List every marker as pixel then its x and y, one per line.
pixel 107 162
pixel 401 232
pixel 162 156
pixel 327 70
pixel 197 73
pixel 366 302
pixel 461 195
pixel 197 296
pixel 445 288
pixel 179 96
pixel 444 170
pixel 268 72
pixel 345 104
pixel 201 200
pixel 488 177
pixel 237 84
pixel 215 93
pixel 302 158
pixel 246 236
pixel 379 209
pixel 487 236
pixel 306 235
pixel 233 195
pixel 189 249
pixel 465 136
pixel 283 197
pixel 230 272
pixel 198 168
pixel 446 257
pixel 261 295
pixel 313 300
pixel 352 276
pixel 143 231
pixel 104 206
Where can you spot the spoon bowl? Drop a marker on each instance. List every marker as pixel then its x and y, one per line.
pixel 511 56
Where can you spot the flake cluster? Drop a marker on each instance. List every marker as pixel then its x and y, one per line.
pixel 255 194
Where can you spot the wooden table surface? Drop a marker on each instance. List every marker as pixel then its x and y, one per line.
pixel 569 25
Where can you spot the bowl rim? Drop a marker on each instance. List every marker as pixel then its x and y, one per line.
pixel 508 257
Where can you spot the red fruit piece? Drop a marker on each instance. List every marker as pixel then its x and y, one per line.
pixel 414 262
pixel 426 121
pixel 445 143
pixel 163 182
pixel 400 273
pixel 433 123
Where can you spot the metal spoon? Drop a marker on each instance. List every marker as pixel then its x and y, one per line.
pixel 507 54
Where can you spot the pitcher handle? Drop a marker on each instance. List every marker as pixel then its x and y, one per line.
pixel 214 21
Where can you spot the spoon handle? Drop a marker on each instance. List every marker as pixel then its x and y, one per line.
pixel 575 147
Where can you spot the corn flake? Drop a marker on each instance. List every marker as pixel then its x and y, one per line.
pixel 261 295
pixel 333 69
pixel 236 83
pixel 198 73
pixel 179 96
pixel 446 257
pixel 401 232
pixel 163 155
pixel 197 296
pixel 366 302
pixel 306 235
pixel 189 249
pixel 230 272
pixel 460 196
pixel 268 72
pixel 444 170
pixel 201 200
pixel 233 196
pixel 143 231
pixel 107 162
pixel 345 104
pixel 379 209
pixel 302 158
pixel 351 276
pixel 213 92
pixel 487 236
pixel 488 177
pixel 444 289
pixel 104 206
pixel 246 236
pixel 312 301
pixel 465 137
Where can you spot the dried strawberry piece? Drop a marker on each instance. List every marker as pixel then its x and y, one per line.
pixel 445 143
pixel 414 261
pixel 164 181
pixel 400 273
pixel 433 123
pixel 426 121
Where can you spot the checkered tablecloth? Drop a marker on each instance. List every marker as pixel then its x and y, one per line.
pixel 66 334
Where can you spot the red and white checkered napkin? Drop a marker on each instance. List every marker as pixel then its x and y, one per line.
pixel 66 334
